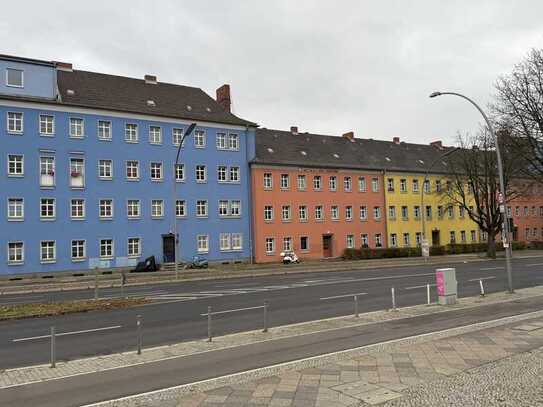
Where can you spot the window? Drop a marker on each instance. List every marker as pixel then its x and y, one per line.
pixel 390 184
pixel 270 245
pixel 448 186
pixel 534 232
pixel 440 212
pixel 415 185
pixel 104 130
pixel 15 165
pixel 426 186
pixel 375 184
pixel 224 241
pixel 318 212
pixel 517 211
pixel 233 141
pixel 180 208
pixel 15 77
pixel 403 185
pixel 348 213
pixel 473 236
pixel 526 211
pixel 302 213
pixel 16 252
pixel 223 208
pixel 393 240
pixel 317 182
pixel 78 250
pixel 106 248
pixel 131 133
pixel 156 171
pixel 509 212
pixel 347 184
pixel 332 183
pixel 416 211
pixel 378 240
pixel 132 170
pixel 177 136
pixel 287 244
pixel 201 173
pixel 15 122
pixel 77 173
pixel 16 209
pixel 406 239
pixel 202 243
pixel 106 208
pixel 48 251
pixel 199 139
pixel 428 212
pixel 461 211
pixel 285 213
pixel 405 213
pixel 418 238
pixel 363 212
pixel 133 208
pixel 268 213
pixel 527 234
pixel 350 241
pixel 221 141
pixel 105 169
pixel 201 208
pixel 362 184
pixel 285 181
pixel 392 212
pixel 463 236
pixel 234 174
pixel 533 211
pixel 438 185
pixel 376 213
pixel 222 175
pixel 268 180
pixel 47 208
pixel 76 127
pixel 155 135
pixel 235 208
pixel 450 211
pixel 47 125
pixel 304 243
pixel 134 247
pixel 453 237
pixel 47 171
pixel 540 211
pixel 77 208
pixel 301 183
pixel 364 240
pixel 237 241
pixel 334 212
pixel 179 172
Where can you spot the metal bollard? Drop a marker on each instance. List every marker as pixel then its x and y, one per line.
pixel 123 280
pixel 209 333
pixel 96 284
pixel 482 288
pixel 356 314
pixel 265 317
pixel 53 348
pixel 140 339
pixel 393 299
pixel 428 299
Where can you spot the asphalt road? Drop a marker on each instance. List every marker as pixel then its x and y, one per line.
pixel 177 314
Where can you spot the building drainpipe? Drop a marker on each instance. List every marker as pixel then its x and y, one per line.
pixel 249 194
pixel 385 208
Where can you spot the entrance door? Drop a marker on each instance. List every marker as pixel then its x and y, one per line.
pixel 168 248
pixel 327 246
pixel 435 237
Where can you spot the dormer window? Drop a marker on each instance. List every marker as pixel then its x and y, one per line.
pixel 14 77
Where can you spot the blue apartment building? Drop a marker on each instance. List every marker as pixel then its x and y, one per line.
pixel 87 170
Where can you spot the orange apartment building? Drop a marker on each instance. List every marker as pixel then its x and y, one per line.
pixel 311 194
pixel 527 213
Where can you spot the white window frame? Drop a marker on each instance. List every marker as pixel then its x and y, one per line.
pixel 362 186
pixel 285 181
pixel 332 183
pixel 127 165
pixel 179 169
pixel 334 212
pixel 18 204
pixel 375 185
pixel 77 172
pixel 155 130
pixel 406 239
pixel 11 85
pixel 49 172
pixel 132 242
pixel 157 208
pixel 233 146
pixel 80 127
pixel 100 130
pixel 222 173
pixel 202 203
pixel 43 118
pixel 103 243
pixel 73 205
pixel 237 241
pixel 350 243
pixel 103 165
pixel 131 133
pixel 16 160
pixel 287 243
pixel 16 260
pixel 18 118
pixel 78 258
pixel 200 169
pixel 363 212
pixel 347 184
pixel 364 240
pixel 103 203
pixel 199 138
pixel 48 260
pixel 225 242
pixel 49 204
pixel 319 209
pixel 155 166
pixel 377 212
pixel 235 208
pixel 221 141
pixel 302 213
pixel 269 245
pixel 180 206
pixel 177 136
pixel 286 210
pixel 223 208
pixel 268 209
pixel 268 176
pixel 348 213
pixel 317 183
pixel 132 204
pixel 234 174
pixel 202 243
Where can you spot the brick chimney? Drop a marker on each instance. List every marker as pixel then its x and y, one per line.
pixel 349 136
pixel 437 144
pixel 396 140
pixel 223 97
pixel 150 79
pixel 294 130
pixel 64 66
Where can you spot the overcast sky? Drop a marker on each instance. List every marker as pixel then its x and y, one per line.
pixel 326 66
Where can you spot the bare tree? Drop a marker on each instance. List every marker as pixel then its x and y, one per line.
pixel 518 107
pixel 473 182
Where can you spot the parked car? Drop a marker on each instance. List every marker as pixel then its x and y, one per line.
pixel 197 263
pixel 149 264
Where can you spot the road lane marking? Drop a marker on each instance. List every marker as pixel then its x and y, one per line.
pixel 107 328
pixel 232 310
pixel 534 264
pixel 482 278
pixel 491 268
pixel 419 286
pixel 342 296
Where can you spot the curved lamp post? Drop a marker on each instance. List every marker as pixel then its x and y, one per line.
pixel 505 233
pixel 186 133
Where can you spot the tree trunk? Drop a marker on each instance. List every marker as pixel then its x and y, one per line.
pixel 491 246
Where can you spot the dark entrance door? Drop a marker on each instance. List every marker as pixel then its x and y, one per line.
pixel 168 248
pixel 435 237
pixel 327 246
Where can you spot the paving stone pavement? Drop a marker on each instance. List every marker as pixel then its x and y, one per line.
pixel 433 373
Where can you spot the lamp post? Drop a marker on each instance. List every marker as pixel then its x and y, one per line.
pixel 186 133
pixel 505 229
pixel 422 208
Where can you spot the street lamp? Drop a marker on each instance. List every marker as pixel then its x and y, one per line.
pixel 502 199
pixel 186 133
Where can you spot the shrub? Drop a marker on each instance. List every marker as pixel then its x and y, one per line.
pixel 535 245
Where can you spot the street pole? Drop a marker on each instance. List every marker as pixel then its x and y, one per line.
pixel 505 231
pixel 175 237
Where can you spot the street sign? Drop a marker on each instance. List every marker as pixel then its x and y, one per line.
pixel 425 247
pixel 500 198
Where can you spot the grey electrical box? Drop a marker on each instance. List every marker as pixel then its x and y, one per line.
pixel 447 286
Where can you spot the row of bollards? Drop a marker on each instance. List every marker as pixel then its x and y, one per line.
pixel 210 313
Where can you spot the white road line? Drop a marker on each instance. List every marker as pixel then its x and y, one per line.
pixel 173 298
pixel 277 287
pixel 232 310
pixel 534 264
pixel 68 333
pixel 419 286
pixel 299 285
pixel 491 268
pixel 482 278
pixel 342 296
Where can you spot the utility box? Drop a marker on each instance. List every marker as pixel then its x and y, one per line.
pixel 447 286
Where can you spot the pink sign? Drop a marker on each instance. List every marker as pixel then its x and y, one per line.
pixel 440 283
